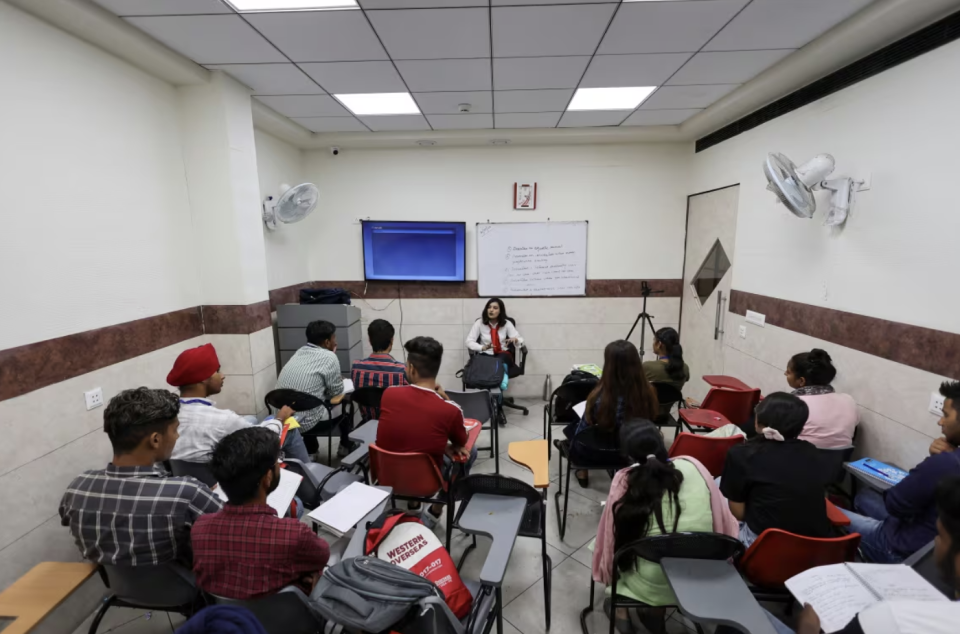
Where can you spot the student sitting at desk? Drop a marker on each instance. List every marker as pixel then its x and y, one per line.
pixel 420 418
pixel 245 551
pixel 653 497
pixel 833 416
pixel 774 479
pixel 132 513
pixel 196 373
pixel 379 369
pixel 669 367
pixel 900 522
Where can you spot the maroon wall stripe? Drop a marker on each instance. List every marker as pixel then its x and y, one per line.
pixel 922 348
pixel 236 320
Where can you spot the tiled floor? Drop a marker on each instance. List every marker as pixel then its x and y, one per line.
pixel 523 589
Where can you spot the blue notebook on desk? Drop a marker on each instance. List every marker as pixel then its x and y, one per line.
pixel 879 470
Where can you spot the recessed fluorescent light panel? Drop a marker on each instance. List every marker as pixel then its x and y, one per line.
pixel 610 98
pixel 380 103
pixel 291 5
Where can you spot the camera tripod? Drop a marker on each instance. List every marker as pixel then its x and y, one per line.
pixel 645 292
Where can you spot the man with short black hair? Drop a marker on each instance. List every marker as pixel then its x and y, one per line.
pixel 379 369
pixel 132 513
pixel 245 551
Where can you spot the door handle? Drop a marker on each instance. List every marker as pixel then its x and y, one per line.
pixel 721 302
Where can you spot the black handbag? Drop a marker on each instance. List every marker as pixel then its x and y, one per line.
pixel 483 372
pixel 324 296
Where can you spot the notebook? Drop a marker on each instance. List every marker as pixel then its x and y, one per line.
pixel 879 470
pixel 281 498
pixel 348 386
pixel 841 591
pixel 580 408
pixel 343 511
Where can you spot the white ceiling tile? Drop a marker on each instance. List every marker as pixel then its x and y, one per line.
pixel 210 39
pixel 518 73
pixel 163 7
pixel 528 120
pixel 433 33
pixel 652 69
pixel 383 123
pixel 686 96
pixel 331 124
pixel 585 119
pixel 271 79
pixel 448 102
pixel 356 77
pixel 667 27
pixel 420 4
pixel 320 36
pixel 461 121
pixel 445 75
pixel 532 100
pixel 767 24
pixel 660 117
pixel 729 67
pixel 550 30
pixel 306 106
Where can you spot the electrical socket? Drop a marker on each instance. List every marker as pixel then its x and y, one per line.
pixel 743 332
pixel 936 403
pixel 94 398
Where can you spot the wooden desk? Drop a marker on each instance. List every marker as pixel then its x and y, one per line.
pixel 532 454
pixel 35 595
pixel 725 382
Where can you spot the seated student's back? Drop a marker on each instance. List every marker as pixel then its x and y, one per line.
pixel 833 415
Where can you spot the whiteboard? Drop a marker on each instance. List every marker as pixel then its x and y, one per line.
pixel 515 259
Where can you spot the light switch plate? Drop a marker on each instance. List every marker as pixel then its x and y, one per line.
pixel 757 319
pixel 743 332
pixel 936 403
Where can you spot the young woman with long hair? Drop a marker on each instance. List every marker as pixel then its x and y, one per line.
pixel 494 332
pixel 669 366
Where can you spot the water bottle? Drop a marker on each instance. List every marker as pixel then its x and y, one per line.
pixel 547 388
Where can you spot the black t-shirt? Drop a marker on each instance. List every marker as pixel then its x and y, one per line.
pixel 782 485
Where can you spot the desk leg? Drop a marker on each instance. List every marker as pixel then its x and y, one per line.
pixel 499 611
pixel 495 432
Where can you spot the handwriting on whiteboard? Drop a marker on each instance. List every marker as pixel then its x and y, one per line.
pixel 540 269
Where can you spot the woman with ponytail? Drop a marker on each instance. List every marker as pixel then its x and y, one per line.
pixel 669 367
pixel 833 415
pixel 655 496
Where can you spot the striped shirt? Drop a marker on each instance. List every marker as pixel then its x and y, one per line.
pixel 134 516
pixel 312 370
pixel 377 370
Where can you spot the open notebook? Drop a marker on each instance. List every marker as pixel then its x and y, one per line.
pixel 840 591
pixel 280 499
pixel 344 511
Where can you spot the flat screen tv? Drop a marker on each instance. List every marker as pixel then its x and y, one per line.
pixel 414 251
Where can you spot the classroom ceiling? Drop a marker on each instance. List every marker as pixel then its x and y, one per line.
pixel 517 63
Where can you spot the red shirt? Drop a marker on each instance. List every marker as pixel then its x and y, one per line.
pixel 245 552
pixel 417 420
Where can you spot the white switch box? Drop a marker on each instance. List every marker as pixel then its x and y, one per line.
pixel 94 398
pixel 743 332
pixel 936 403
pixel 757 319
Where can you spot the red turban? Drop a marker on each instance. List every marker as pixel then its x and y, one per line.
pixel 195 365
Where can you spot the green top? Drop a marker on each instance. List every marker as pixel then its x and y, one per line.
pixel 656 372
pixel 647 583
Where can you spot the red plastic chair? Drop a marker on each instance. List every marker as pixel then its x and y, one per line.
pixel 778 555
pixel 711 452
pixel 735 405
pixel 836 516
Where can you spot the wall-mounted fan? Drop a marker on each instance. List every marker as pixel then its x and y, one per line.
pixel 292 205
pixel 794 186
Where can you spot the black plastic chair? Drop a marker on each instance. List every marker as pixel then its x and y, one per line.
pixel 831 461
pixel 591 438
pixel 668 396
pixel 320 482
pixel 479 405
pixel 368 398
pixel 303 402
pixel 199 470
pixel 534 523
pixel 286 612
pixel 654 548
pixel 167 588
pixel 559 409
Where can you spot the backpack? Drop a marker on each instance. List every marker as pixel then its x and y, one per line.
pixel 482 372
pixel 369 595
pixel 562 409
pixel 403 540
pixel 324 296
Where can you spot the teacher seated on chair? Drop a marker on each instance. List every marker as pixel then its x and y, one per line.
pixel 493 333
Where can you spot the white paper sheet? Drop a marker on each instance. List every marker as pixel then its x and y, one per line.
pixel 280 499
pixel 344 510
pixel 896 582
pixel 580 408
pixel 834 592
pixel 348 386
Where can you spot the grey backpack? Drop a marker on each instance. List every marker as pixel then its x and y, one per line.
pixel 367 594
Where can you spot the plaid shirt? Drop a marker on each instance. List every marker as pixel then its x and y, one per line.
pixel 313 370
pixel 377 370
pixel 134 516
pixel 245 552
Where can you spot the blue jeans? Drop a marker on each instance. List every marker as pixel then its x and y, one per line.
pixel 746 536
pixel 868 521
pixel 448 463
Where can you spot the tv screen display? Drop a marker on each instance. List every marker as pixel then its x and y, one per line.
pixel 414 251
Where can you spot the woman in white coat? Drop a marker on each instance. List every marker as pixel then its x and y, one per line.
pixel 493 333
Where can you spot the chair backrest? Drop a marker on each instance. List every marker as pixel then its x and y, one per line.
pixel 159 587
pixel 199 470
pixel 475 404
pixel 682 545
pixel 413 474
pixel 495 484
pixel 595 439
pixel 519 356
pixel 736 405
pixel 777 555
pixel 566 395
pixel 711 452
pixel 298 401
pixel 283 613
pixel 832 460
pixel 667 394
pixel 368 396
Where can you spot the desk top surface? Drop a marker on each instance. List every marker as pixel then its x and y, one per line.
pixel 870 481
pixel 723 381
pixel 34 595
pixel 533 455
pixel 498 517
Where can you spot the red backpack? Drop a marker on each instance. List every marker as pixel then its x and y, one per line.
pixel 403 540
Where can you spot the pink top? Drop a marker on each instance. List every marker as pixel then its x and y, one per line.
pixel 833 419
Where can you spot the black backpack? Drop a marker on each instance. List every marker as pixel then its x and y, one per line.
pixel 483 371
pixel 324 296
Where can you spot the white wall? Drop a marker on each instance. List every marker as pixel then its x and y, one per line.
pixel 633 195
pixel 93 200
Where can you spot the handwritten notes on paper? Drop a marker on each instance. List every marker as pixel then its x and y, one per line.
pixel 532 258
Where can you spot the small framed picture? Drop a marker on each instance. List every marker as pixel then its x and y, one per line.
pixel 525 196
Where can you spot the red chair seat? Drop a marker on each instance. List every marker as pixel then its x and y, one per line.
pixel 836 516
pixel 703 418
pixel 777 555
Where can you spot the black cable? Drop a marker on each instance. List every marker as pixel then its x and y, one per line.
pixel 403 351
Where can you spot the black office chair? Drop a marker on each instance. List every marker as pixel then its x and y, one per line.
pixel 286 612
pixel 199 470
pixel 654 548
pixel 166 588
pixel 369 398
pixel 559 409
pixel 668 396
pixel 518 369
pixel 303 402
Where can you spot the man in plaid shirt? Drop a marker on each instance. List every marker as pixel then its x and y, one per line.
pixel 379 369
pixel 245 551
pixel 131 513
